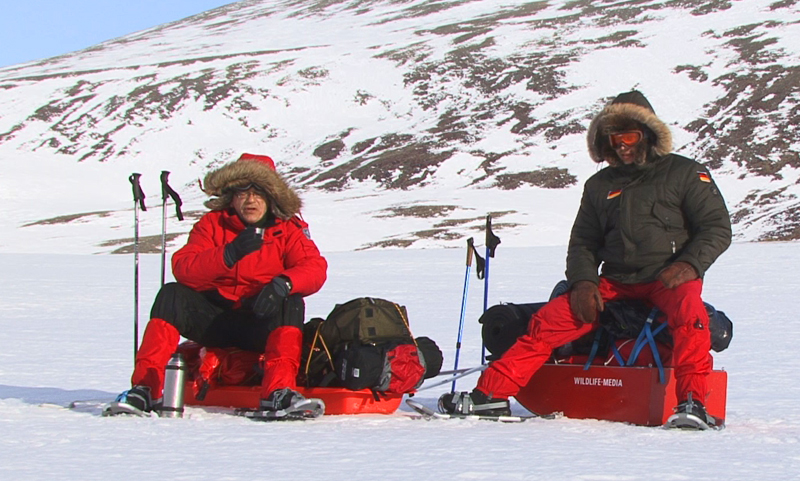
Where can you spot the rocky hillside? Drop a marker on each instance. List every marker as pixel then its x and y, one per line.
pixel 413 119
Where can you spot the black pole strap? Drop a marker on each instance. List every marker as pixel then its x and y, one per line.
pixel 138 194
pixel 492 241
pixel 480 262
pixel 167 192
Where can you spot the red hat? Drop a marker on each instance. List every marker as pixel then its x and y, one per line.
pixel 260 158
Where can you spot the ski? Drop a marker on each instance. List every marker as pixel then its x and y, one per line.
pixel 93 406
pixel 690 422
pixel 301 410
pixel 119 408
pixel 429 414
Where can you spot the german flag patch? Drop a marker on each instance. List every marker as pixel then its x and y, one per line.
pixel 704 177
pixel 613 193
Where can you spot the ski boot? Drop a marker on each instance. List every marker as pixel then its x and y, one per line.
pixel 285 404
pixel 281 399
pixel 691 415
pixel 474 403
pixel 135 401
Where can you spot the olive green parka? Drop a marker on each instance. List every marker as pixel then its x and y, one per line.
pixel 634 220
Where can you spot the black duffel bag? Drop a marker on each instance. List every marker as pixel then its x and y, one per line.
pixel 503 324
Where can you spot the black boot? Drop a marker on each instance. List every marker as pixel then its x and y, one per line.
pixel 135 401
pixel 281 399
pixel 475 402
pixel 138 397
pixel 691 414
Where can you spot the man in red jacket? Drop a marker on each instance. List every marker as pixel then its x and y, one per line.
pixel 241 279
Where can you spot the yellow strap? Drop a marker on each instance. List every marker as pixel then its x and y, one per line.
pixel 405 321
pixel 317 335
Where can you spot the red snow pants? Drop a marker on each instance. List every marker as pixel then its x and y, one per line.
pixel 158 343
pixel 282 359
pixel 180 311
pixel 555 325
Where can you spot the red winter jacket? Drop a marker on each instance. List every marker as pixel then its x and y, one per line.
pixel 287 251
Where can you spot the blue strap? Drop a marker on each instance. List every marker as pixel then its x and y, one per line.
pixel 642 339
pixel 653 347
pixel 637 346
pixel 617 354
pixel 593 352
pixel 596 345
pixel 647 337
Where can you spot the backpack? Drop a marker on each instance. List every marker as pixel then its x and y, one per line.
pixel 366 343
pixel 392 368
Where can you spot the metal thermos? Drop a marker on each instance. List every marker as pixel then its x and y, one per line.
pixel 174 379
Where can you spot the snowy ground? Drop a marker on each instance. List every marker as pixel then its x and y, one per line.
pixel 66 334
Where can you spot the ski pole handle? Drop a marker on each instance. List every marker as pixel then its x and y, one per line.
pixel 164 186
pixel 138 193
pixel 169 192
pixel 492 241
pixel 470 250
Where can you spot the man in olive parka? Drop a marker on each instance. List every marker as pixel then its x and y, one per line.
pixel 653 222
pixel 649 209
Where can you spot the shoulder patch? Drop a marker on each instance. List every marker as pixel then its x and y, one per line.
pixel 306 233
pixel 704 177
pixel 613 193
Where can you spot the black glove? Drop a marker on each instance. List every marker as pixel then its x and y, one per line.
pixel 269 301
pixel 585 301
pixel 246 242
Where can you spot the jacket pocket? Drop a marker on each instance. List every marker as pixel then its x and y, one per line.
pixel 670 219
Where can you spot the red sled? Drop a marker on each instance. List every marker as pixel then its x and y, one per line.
pixel 337 400
pixel 233 385
pixel 612 393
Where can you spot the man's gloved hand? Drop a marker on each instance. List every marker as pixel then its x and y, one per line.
pixel 248 240
pixel 269 301
pixel 585 301
pixel 676 274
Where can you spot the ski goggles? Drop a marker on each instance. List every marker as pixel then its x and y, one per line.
pixel 629 138
pixel 241 190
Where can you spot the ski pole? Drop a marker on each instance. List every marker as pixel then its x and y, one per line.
pixel 451 372
pixel 470 248
pixel 452 377
pixel 167 192
pixel 492 241
pixel 138 201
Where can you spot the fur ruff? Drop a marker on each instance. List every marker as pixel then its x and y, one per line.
pixel 283 200
pixel 621 114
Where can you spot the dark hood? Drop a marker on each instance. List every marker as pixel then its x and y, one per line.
pixel 627 111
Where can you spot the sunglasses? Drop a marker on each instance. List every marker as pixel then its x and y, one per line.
pixel 630 138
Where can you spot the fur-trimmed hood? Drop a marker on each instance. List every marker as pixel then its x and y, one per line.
pixel 250 169
pixel 628 110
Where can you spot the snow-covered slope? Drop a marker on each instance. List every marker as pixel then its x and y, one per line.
pixel 403 122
